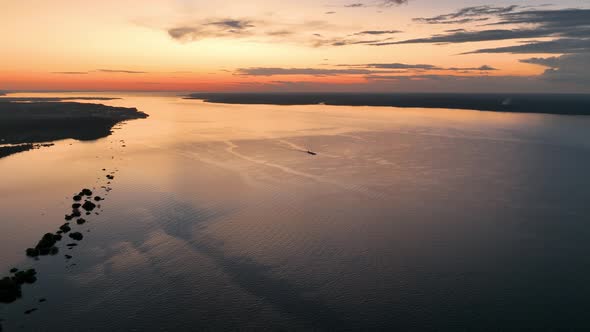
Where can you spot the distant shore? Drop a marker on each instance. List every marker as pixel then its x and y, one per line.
pixel 564 104
pixel 24 123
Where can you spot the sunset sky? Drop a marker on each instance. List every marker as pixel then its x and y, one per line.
pixel 304 45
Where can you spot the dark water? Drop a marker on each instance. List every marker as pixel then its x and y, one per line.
pixel 407 219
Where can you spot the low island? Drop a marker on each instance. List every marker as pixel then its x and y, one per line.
pixel 27 124
pixel 564 104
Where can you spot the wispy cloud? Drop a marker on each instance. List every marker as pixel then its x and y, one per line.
pixel 120 71
pixel 378 3
pixel 466 15
pixel 423 67
pixel 263 71
pixel 318 33
pixel 376 32
pixel 227 27
pixel 71 72
pixel 369 70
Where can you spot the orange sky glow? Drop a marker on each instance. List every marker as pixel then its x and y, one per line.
pixel 260 45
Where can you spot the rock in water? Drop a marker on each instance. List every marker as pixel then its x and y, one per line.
pixel 9 290
pixel 89 206
pixel 65 227
pixel 29 276
pixel 81 221
pixel 32 252
pixel 77 198
pixel 86 192
pixel 45 244
pixel 77 236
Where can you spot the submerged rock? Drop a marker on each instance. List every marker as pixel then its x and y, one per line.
pixel 29 276
pixel 77 236
pixel 81 221
pixel 30 311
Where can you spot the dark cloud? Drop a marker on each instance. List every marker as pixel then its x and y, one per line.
pixel 572 68
pixel 345 42
pixel 468 69
pixel 377 32
pixel 546 62
pixel 423 67
pixel 558 46
pixel 569 68
pixel 563 18
pixel 472 36
pixel 569 28
pixel 466 15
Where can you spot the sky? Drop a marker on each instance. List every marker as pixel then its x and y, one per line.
pixel 304 45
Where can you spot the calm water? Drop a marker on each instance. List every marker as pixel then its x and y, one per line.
pixel 407 218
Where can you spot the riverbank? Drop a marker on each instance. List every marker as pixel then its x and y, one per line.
pixel 564 104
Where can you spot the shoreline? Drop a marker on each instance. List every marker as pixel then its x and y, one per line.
pixel 559 104
pixel 30 124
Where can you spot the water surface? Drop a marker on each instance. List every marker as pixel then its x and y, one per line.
pixel 407 218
